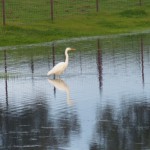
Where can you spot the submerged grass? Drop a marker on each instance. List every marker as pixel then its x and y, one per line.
pixel 104 22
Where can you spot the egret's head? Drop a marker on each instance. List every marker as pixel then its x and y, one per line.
pixel 70 49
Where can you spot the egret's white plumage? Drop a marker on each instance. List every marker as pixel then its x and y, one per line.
pixel 60 67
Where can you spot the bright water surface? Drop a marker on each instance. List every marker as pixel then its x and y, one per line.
pixel 102 101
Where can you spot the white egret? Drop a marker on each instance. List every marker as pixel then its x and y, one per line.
pixel 60 67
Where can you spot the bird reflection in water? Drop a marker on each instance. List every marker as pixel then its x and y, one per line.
pixel 62 86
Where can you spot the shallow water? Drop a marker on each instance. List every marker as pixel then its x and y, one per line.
pixel 102 101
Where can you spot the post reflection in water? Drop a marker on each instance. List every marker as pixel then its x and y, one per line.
pixel 53 53
pixel 6 85
pixel 99 64
pixel 62 86
pixel 32 64
pixel 142 59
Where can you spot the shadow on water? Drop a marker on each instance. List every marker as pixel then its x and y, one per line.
pixel 129 129
pixel 108 80
pixel 34 128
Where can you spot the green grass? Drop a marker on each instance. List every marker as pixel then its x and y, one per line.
pixel 27 25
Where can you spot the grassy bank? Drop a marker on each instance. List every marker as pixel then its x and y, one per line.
pixel 104 22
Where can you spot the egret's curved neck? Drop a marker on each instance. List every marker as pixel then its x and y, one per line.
pixel 67 57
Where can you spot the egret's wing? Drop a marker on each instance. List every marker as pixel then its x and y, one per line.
pixel 58 69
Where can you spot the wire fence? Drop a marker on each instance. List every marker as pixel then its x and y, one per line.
pixel 48 10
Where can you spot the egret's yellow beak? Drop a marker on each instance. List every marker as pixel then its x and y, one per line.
pixel 73 49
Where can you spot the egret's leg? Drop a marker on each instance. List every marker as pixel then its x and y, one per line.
pixel 54 76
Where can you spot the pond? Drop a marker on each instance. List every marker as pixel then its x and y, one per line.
pixel 102 101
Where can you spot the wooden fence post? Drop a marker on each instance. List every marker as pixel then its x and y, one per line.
pixel 140 2
pixel 3 12
pixel 52 9
pixel 97 5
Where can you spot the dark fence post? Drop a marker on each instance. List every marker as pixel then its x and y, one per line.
pixel 97 5
pixel 140 2
pixel 3 12
pixel 52 9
